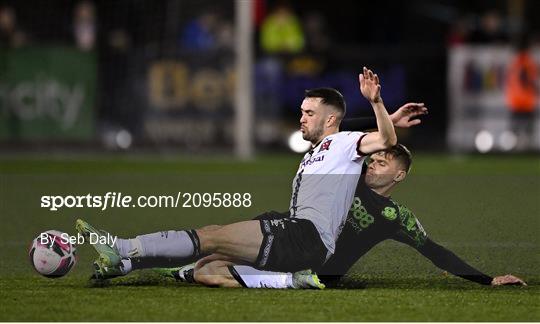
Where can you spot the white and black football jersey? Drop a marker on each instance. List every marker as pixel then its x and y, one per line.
pixel 324 185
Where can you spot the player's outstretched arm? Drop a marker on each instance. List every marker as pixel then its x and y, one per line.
pixel 401 118
pixel 448 261
pixel 385 136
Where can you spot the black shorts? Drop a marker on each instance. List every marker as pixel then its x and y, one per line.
pixel 289 244
pixel 273 215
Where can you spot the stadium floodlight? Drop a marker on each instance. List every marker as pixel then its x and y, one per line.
pixel 507 141
pixel 124 139
pixel 483 141
pixel 115 138
pixel 297 143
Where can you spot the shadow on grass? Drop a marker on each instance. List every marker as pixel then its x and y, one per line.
pixel 448 283
pixel 138 279
pixel 355 281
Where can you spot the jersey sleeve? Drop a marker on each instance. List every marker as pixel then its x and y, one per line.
pixel 410 229
pixel 413 234
pixel 351 144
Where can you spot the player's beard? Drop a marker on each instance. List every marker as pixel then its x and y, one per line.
pixel 375 181
pixel 314 136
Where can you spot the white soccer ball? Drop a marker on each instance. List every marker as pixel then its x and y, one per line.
pixel 51 255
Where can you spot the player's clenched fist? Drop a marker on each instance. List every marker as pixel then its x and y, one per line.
pixel 369 85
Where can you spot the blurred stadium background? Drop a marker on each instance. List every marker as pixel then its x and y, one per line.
pixel 218 76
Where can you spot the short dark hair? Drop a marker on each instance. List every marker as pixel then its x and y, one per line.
pixel 329 96
pixel 402 154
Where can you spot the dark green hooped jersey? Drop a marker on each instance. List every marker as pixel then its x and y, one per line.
pixel 374 218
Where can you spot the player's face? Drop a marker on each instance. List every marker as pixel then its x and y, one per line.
pixel 382 170
pixel 313 118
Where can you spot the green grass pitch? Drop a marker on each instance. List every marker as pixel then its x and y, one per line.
pixel 484 208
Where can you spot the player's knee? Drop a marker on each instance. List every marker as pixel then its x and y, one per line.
pixel 209 237
pixel 211 280
pixel 212 274
pixel 209 275
pixel 200 276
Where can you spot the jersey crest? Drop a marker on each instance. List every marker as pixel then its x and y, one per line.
pixel 325 146
pixel 389 213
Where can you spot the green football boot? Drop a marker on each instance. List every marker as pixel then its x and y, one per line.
pixel 107 254
pixel 307 280
pixel 183 274
pixel 103 270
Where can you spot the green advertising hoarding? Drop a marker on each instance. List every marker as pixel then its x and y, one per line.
pixel 47 93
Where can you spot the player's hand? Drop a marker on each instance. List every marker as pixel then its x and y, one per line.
pixel 403 116
pixel 507 280
pixel 369 85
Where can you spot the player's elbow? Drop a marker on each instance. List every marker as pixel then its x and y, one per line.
pixel 391 141
pixel 208 276
pixel 387 141
pixel 375 142
pixel 208 280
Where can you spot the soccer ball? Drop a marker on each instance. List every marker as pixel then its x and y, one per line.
pixel 51 255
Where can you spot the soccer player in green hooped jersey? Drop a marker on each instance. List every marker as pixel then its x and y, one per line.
pixel 373 218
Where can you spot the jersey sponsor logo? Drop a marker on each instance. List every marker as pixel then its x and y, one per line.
pixel 325 146
pixel 312 160
pixel 389 213
pixel 361 219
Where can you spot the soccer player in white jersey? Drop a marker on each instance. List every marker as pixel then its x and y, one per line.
pixel 323 190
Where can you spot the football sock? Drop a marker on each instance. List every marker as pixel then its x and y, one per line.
pixel 254 278
pixel 173 244
pixel 126 247
pixel 126 266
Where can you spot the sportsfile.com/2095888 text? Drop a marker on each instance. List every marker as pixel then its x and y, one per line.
pixel 119 200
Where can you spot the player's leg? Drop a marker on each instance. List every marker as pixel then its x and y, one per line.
pixel 117 259
pixel 147 245
pixel 160 244
pixel 289 244
pixel 223 271
pixel 230 239
pixel 240 240
pixel 186 273
pixel 216 274
pixel 227 274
